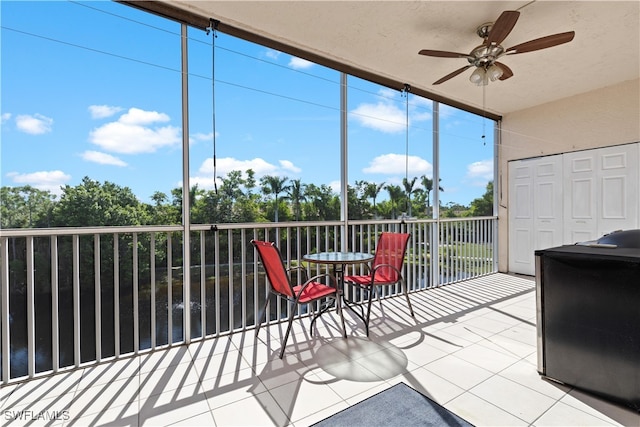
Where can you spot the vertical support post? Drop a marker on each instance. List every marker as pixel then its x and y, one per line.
pixel 344 163
pixel 203 284
pixel 169 289
pixel 230 283
pixel 4 312
pixel 435 234
pixel 186 202
pixel 497 190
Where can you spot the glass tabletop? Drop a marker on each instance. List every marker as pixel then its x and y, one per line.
pixel 338 257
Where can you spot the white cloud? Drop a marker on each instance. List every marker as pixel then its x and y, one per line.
pixel 43 180
pixel 299 63
pixel 103 111
pixel 479 173
pixel 196 137
pixel 136 116
pixel 289 166
pixel 261 167
pixel 335 186
pixel 395 164
pixel 102 158
pixel 5 117
pixel 36 124
pixel 132 133
pixel 383 116
pixel 272 54
pixel 390 116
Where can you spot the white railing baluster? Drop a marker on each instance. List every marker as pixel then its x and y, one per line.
pixel 243 276
pixel 230 273
pixel 152 267
pixel 77 359
pixel 55 325
pixel 116 295
pixel 31 321
pixel 256 300
pixel 136 312
pixel 97 295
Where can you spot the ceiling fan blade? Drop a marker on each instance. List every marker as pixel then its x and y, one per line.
pixel 542 43
pixel 502 27
pixel 506 71
pixel 443 54
pixel 451 75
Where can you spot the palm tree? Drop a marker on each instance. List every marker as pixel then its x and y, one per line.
pixel 274 185
pixel 408 189
pixel 297 196
pixel 372 190
pixel 395 194
pixel 428 187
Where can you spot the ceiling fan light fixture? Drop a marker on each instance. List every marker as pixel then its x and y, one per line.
pixel 494 72
pixel 479 77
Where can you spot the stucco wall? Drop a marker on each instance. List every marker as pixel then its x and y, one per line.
pixel 603 117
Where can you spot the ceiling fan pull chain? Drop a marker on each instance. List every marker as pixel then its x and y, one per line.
pixel 484 106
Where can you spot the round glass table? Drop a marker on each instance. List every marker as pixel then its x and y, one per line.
pixel 339 261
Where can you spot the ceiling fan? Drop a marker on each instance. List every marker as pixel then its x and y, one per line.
pixel 485 57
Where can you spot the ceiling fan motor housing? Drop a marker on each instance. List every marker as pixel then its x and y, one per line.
pixel 484 56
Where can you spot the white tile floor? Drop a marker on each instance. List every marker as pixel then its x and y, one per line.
pixel 471 348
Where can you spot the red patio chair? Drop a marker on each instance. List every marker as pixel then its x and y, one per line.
pixel 280 284
pixel 385 270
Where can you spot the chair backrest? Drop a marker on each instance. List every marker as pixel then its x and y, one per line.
pixel 390 249
pixel 274 267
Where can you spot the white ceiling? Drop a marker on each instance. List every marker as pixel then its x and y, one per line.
pixel 384 37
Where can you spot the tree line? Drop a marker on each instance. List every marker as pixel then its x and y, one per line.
pixel 241 198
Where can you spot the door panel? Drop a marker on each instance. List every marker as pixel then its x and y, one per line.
pixel 568 198
pixel 619 180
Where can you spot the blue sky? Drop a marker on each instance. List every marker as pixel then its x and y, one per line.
pixel 94 89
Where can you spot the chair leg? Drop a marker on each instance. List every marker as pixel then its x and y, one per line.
pixel 286 335
pixel 405 286
pixel 261 314
pixel 339 308
pixel 366 322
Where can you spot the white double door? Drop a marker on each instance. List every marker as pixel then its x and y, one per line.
pixel 568 198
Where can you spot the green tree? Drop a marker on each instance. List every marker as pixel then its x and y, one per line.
pixel 297 196
pixel 274 185
pixel 250 181
pixel 25 207
pixel 483 206
pixel 94 204
pixel 409 189
pixel 395 197
pixel 427 183
pixel 372 190
pixel 232 185
pixel 162 212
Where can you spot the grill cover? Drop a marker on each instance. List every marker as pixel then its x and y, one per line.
pixel 622 239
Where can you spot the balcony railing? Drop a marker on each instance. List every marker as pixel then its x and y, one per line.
pixel 77 296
